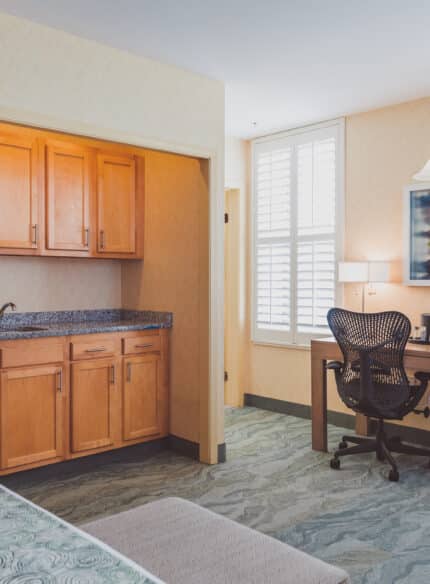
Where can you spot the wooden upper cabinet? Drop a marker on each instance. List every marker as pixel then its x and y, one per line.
pixel 19 228
pixel 116 204
pixel 32 415
pixel 71 196
pixel 67 197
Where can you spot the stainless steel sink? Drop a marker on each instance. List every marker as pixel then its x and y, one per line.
pixel 22 329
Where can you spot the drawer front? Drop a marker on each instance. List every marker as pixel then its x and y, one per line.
pixel 31 352
pixel 92 349
pixel 143 344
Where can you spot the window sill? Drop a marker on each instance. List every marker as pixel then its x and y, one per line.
pixel 305 347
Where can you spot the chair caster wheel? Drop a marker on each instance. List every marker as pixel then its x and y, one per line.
pixel 343 445
pixel 393 476
pixel 335 463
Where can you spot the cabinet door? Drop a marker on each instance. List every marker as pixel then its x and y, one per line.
pixel 31 415
pixel 93 404
pixel 18 193
pixel 67 197
pixel 116 200
pixel 141 395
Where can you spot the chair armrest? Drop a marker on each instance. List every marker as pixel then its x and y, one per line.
pixel 422 376
pixel 335 365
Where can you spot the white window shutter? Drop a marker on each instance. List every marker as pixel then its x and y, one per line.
pixel 273 286
pixel 316 236
pixel 272 249
pixel 296 195
pixel 316 284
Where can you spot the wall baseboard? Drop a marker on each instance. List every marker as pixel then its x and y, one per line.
pixel 406 433
pixel 184 447
pixel 134 453
pixel 222 452
pixel 192 449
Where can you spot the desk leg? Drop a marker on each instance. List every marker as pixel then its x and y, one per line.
pixel 319 404
pixel 362 425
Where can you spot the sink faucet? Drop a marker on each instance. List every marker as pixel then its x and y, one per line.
pixel 5 306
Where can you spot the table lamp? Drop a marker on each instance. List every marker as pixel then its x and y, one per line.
pixel 364 273
pixel 354 272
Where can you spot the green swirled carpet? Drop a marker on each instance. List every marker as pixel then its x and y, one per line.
pixel 38 548
pixel 378 531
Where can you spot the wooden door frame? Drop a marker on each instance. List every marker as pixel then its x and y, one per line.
pixel 212 394
pixel 234 298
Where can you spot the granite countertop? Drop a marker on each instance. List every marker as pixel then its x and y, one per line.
pixel 80 322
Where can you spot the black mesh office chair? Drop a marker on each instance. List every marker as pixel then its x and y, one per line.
pixel 372 379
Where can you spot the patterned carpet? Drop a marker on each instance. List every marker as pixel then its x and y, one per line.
pixel 272 481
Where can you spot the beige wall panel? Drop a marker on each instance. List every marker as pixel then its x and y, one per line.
pixel 60 284
pixel 174 276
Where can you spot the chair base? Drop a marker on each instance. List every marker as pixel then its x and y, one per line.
pixel 381 445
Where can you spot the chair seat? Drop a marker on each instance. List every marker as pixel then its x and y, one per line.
pixel 385 403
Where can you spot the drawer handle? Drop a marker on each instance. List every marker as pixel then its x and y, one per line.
pixel 144 346
pixel 86 237
pixel 112 374
pixel 96 350
pixel 128 372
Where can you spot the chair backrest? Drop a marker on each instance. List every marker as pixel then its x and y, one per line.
pixel 373 380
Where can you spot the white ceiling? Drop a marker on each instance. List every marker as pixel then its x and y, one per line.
pixel 284 62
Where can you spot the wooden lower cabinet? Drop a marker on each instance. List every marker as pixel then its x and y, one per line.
pixel 94 412
pixel 67 397
pixel 32 415
pixel 141 396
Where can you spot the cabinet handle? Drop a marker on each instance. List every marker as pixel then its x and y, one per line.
pixel 96 350
pixel 128 372
pixel 102 239
pixel 144 346
pixel 60 380
pixel 112 374
pixel 35 234
pixel 86 237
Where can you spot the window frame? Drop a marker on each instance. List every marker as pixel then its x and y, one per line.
pixel 294 338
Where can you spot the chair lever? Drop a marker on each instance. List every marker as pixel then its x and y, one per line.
pixel 335 365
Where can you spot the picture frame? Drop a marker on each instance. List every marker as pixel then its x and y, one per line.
pixel 416 263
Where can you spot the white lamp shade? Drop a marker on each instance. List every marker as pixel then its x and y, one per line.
pixel 379 271
pixel 424 173
pixel 353 272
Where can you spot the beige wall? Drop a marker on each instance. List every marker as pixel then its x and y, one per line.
pixel 384 148
pixel 60 284
pixel 174 276
pixel 236 250
pixel 56 80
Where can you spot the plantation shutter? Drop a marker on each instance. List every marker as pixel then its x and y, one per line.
pixel 316 235
pixel 273 243
pixel 295 236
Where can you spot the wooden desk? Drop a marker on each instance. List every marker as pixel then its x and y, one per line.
pixel 417 358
